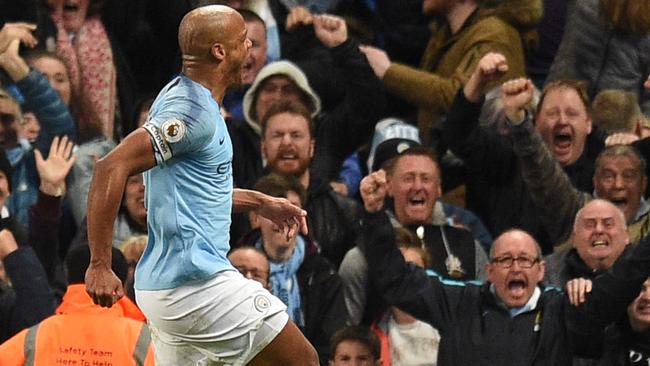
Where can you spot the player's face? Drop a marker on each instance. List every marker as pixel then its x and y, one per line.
pixel 257 56
pixel 287 144
pixel 564 124
pixel 239 52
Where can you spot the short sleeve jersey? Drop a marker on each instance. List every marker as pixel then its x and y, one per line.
pixel 188 194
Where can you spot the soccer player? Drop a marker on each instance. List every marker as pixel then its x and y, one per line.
pixel 200 308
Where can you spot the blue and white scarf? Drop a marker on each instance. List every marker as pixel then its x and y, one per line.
pixel 284 280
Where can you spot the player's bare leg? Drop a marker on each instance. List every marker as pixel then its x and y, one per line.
pixel 288 348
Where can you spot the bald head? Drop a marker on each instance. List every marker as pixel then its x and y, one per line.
pixel 514 235
pixel 205 27
pixel 600 234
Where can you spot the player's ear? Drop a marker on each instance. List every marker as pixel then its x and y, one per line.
pixel 218 51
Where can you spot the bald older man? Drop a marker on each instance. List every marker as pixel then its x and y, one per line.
pixel 202 311
pixel 511 319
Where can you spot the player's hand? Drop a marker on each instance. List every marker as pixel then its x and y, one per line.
pixel 330 30
pixel 297 16
pixel 491 67
pixel 20 31
pixel 290 218
pixel 577 289
pixel 647 83
pixel 377 58
pixel 516 95
pixel 373 190
pixel 103 286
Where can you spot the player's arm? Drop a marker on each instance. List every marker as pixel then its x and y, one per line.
pixel 283 213
pixel 133 155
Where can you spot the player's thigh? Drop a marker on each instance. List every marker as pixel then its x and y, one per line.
pixel 289 347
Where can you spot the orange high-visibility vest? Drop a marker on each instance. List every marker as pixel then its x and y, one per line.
pixel 80 340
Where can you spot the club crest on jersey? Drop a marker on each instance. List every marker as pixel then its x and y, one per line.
pixel 173 130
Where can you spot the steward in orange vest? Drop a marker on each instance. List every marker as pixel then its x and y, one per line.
pixel 82 333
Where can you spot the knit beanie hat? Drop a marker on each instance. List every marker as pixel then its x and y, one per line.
pixel 284 68
pixel 394 135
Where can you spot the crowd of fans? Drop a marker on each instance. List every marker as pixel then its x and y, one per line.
pixel 499 146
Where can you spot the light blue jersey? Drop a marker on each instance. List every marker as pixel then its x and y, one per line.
pixel 188 193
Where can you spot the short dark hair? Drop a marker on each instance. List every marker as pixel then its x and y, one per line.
pixel 251 16
pixel 291 107
pixel 359 334
pixel 276 185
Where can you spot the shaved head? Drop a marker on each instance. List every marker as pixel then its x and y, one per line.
pixel 205 27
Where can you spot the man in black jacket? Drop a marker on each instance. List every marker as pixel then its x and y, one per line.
pixel 289 147
pixel 511 319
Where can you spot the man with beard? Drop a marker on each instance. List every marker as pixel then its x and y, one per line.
pixel 340 129
pixel 497 189
pixel 289 148
pixel 200 308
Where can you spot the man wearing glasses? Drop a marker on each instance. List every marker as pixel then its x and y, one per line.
pixel 511 319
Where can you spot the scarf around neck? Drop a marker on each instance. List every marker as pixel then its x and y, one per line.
pixel 89 58
pixel 284 280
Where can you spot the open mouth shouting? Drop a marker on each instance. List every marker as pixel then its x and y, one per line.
pixel 517 287
pixel 74 14
pixel 562 141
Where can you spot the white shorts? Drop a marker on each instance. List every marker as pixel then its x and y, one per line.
pixel 225 320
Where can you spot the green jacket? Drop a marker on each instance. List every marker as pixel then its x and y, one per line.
pixel 449 60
